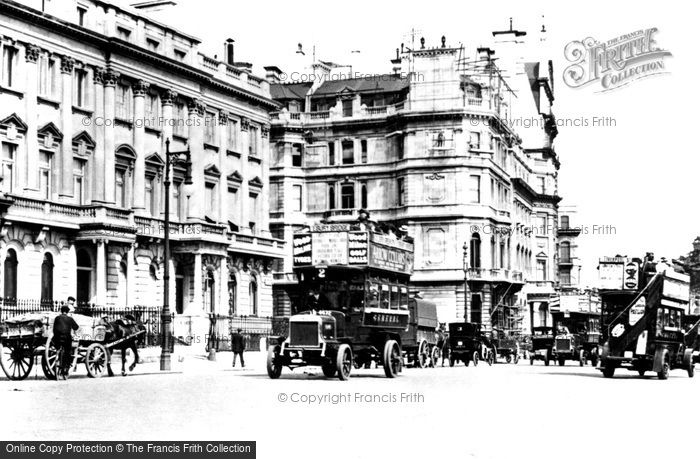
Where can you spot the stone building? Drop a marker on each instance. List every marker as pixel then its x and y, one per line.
pixel 89 94
pixel 431 149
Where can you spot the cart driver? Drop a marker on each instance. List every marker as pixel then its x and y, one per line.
pixel 63 326
pixel 317 301
pixel 562 330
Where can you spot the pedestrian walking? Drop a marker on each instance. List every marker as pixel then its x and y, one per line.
pixel 238 346
pixel 63 326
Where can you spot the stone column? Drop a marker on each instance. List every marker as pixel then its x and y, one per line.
pixel 166 99
pixel 110 82
pixel 101 274
pixel 223 286
pixel 197 303
pixel 67 65
pixel 130 277
pixel 140 90
pixel 196 145
pixel 31 55
pixel 98 192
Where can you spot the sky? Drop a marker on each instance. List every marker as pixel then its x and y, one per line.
pixel 632 178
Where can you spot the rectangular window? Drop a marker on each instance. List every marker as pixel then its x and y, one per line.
pixel 363 147
pixel 9 65
pixel 474 191
pixel 331 153
pixel 540 185
pixel 541 274
pixel 81 16
pixel 276 204
pixel 45 174
pixel 120 188
pixel 401 191
pixel 297 155
pixel 150 199
pixel 80 88
pixel 348 152
pixel 180 128
pixel 79 181
pixel 331 196
pixel 9 151
pixel 347 196
pixel 176 204
pixel 210 128
pixel 233 205
pixel 347 107
pixel 232 134
pixel 151 110
pixel 252 210
pixel 399 146
pixel 210 200
pixel 253 147
pixel 47 77
pixel 122 102
pixel 565 277
pixel 475 140
pixel 296 198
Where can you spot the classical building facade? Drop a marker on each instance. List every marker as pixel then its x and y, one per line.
pixel 431 149
pixel 89 94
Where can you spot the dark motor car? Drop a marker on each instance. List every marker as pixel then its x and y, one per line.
pixel 465 342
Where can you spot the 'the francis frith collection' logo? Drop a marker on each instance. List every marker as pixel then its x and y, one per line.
pixel 616 62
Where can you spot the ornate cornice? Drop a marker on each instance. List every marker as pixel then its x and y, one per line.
pixel 31 53
pixel 245 124
pixel 265 130
pixel 140 88
pixel 223 118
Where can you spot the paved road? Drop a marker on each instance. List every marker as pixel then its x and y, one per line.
pixel 504 411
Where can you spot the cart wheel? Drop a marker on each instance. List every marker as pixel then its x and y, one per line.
pixel 392 358
pixel 516 358
pixel 49 361
pixel 508 358
pixel 665 368
pixel 691 369
pixel 96 358
pixel 423 357
pixel 344 362
pixel 16 359
pixel 475 358
pixel 435 356
pixel 274 368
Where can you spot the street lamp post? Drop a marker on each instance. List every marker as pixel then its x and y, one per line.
pixel 177 158
pixel 465 267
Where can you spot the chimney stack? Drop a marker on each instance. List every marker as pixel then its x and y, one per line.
pixel 228 51
pixel 273 74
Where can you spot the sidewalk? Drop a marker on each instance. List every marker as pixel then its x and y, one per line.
pixel 186 359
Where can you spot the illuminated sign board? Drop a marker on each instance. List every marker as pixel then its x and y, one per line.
pixel 329 248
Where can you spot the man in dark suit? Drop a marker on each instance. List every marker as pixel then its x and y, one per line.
pixel 63 326
pixel 238 346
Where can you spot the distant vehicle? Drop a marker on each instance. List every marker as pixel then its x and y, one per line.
pixel 506 345
pixel 354 309
pixel 467 344
pixel 577 336
pixel 642 319
pixel 542 344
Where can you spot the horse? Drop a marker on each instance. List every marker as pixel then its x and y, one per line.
pixel 122 328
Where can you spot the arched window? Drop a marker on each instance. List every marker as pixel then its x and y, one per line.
pixel 210 292
pixel 253 295
pixel 502 263
pixel 11 274
pixel 565 252
pixel 475 251
pixel 84 277
pixel 363 197
pixel 47 278
pixel 232 294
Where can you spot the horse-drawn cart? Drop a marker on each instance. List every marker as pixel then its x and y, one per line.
pixel 28 337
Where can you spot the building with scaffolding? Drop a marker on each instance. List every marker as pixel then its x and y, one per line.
pixel 430 149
